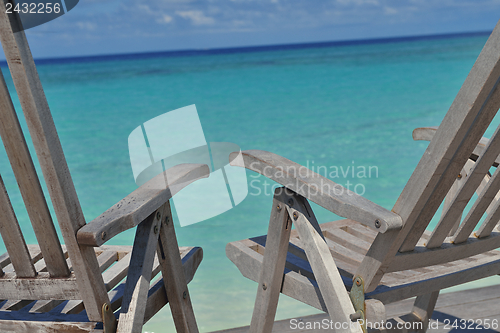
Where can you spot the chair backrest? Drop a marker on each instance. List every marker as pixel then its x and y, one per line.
pixel 445 160
pixel 67 208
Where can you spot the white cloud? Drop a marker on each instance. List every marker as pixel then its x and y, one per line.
pixel 358 2
pixel 86 25
pixel 390 11
pixel 165 19
pixel 196 16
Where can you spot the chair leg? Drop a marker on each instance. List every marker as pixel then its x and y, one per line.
pixel 424 307
pixel 173 276
pixel 135 295
pixel 273 266
pixel 327 276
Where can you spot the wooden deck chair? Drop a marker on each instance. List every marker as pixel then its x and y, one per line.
pixel 77 287
pixel 350 268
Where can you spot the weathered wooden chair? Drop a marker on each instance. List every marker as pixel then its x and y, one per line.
pixel 383 256
pixel 76 287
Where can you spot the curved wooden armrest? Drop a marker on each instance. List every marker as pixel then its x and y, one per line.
pixel 427 133
pixel 141 203
pixel 318 189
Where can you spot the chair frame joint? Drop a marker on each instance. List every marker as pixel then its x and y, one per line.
pixel 357 296
pixel 109 322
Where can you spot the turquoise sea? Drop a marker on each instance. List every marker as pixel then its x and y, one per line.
pixel 323 105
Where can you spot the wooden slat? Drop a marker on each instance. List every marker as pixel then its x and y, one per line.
pixel 15 305
pixel 427 133
pixel 472 110
pixel 117 272
pixel 423 257
pixel 157 296
pixel 45 305
pixel 424 284
pixel 13 237
pixel 470 114
pixel 361 232
pixel 173 275
pixel 452 193
pixel 305 290
pixel 139 275
pixel 29 186
pixel 347 240
pixel 472 180
pixel 423 308
pixel 53 163
pixel 41 304
pixel 40 265
pixel 111 276
pixel 490 222
pixel 73 307
pixel 28 324
pixel 295 285
pixel 327 276
pixel 106 259
pixel 318 189
pixel 35 254
pixel 40 287
pixel 348 259
pixel 271 272
pixel 479 208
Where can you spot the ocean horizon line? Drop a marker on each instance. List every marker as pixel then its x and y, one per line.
pixel 250 49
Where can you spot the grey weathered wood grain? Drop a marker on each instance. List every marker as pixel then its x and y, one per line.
pixel 360 231
pixel 317 188
pixel 327 276
pixel 423 257
pixel 304 289
pixel 52 162
pixel 349 241
pixel 271 272
pixel 294 284
pixel 453 143
pixel 14 305
pixel 490 222
pixel 480 206
pixel 45 305
pixel 452 193
pixel 85 282
pixel 423 308
pixel 427 133
pixel 139 274
pixel 117 272
pixel 106 259
pixel 134 208
pixel 29 186
pixel 40 287
pixel 463 126
pixel 13 237
pixel 191 259
pixel 472 180
pixel 475 302
pixel 174 276
pixel 45 327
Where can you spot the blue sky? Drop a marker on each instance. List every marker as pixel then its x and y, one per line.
pixel 126 26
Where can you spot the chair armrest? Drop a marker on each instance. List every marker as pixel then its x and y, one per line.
pixel 427 133
pixel 318 189
pixel 141 203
